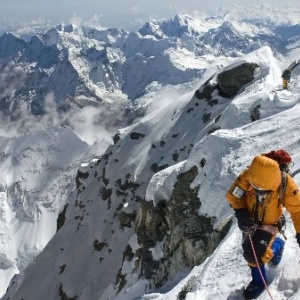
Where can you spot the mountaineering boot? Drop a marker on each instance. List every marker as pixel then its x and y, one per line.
pixel 277 248
pixel 253 291
pixel 256 287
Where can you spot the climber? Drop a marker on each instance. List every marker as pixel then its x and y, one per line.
pixel 258 196
pixel 286 75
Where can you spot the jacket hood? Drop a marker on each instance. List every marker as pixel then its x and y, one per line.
pixel 264 172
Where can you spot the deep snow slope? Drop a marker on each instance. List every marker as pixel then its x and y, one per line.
pixel 37 179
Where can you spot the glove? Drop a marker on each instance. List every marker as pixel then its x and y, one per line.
pixel 243 219
pixel 298 238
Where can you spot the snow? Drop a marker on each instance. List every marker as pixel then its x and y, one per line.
pixel 224 274
pixel 161 185
pixel 86 256
pixel 157 252
pixel 231 148
pixel 37 177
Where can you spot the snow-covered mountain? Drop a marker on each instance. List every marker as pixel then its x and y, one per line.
pixel 145 217
pixel 82 65
pixel 37 177
pixel 153 206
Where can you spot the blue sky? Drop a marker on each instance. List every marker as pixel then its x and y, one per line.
pixel 113 13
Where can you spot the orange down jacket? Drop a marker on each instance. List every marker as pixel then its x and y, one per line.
pixel 264 172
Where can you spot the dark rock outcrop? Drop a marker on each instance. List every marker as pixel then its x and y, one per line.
pixel 232 81
pixel 185 238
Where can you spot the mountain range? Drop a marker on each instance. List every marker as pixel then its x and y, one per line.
pixel 83 66
pixel 142 215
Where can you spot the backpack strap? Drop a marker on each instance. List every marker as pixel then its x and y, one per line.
pixel 282 221
pixel 282 186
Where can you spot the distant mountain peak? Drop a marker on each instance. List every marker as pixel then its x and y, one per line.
pixel 52 37
pixel 152 28
pixel 152 206
pixel 197 98
pixel 66 28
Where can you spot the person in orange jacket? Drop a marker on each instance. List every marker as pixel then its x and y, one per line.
pixel 258 197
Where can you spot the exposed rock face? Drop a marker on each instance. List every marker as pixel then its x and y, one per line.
pixel 185 238
pixel 229 83
pixel 255 114
pixel 233 80
pixel 205 93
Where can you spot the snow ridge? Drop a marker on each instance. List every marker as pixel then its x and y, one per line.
pixel 145 162
pixel 75 218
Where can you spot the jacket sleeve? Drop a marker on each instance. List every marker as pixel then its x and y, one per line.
pixel 236 195
pixel 291 202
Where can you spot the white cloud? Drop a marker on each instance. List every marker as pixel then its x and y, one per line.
pixel 90 123
pixel 134 10
pixel 114 13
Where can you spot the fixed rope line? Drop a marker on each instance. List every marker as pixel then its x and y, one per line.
pixel 256 260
